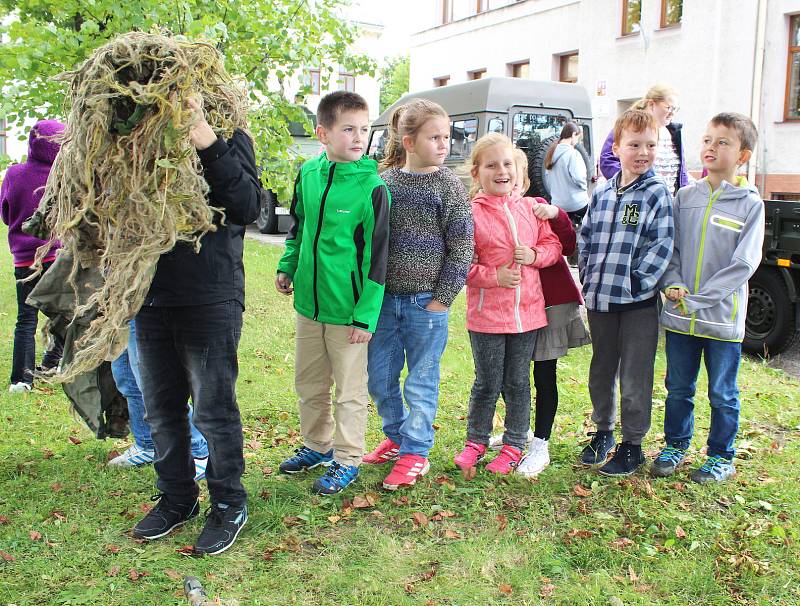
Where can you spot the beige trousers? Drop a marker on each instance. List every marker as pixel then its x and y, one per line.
pixel 323 357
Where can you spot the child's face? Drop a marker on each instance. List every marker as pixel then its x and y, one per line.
pixel 495 171
pixel 346 140
pixel 636 151
pixel 431 143
pixel 721 149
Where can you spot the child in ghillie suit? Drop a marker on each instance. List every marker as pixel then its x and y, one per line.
pixel 336 256
pixel 719 231
pixel 625 244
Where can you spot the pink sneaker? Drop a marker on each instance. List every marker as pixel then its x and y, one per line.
pixel 469 457
pixel 405 472
pixel 506 461
pixel 385 451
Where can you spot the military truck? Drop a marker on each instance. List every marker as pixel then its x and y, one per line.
pixel 532 113
pixel 773 313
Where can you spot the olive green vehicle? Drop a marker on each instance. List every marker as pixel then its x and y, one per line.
pixel 532 113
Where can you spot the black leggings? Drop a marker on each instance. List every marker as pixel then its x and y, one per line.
pixel 544 379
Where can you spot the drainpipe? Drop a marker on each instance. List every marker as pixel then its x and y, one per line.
pixel 756 97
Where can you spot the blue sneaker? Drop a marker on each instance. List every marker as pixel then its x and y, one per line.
pixel 336 479
pixel 715 469
pixel 596 451
pixel 667 461
pixel 305 459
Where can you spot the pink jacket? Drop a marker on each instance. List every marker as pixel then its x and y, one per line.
pixel 490 308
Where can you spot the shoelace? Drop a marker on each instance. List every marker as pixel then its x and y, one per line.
pixel 335 471
pixel 670 453
pixel 711 463
pixel 214 515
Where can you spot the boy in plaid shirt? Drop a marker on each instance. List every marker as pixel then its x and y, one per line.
pixel 624 247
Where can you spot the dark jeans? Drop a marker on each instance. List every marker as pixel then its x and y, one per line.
pixel 191 352
pixel 24 356
pixel 502 364
pixel 683 365
pixel 544 379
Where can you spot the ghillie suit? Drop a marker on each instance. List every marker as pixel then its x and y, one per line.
pixel 127 184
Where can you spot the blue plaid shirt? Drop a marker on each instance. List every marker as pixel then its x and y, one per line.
pixel 625 242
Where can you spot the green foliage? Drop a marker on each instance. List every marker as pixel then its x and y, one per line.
pixel 394 80
pixel 265 42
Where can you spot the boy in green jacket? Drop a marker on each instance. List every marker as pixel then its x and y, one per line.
pixel 336 257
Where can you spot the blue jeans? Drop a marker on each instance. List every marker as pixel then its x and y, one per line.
pixel 126 375
pixel 192 351
pixel 683 365
pixel 407 332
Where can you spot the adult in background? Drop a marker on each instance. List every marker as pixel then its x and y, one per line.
pixel 670 163
pixel 565 173
pixel 22 189
pixel 187 333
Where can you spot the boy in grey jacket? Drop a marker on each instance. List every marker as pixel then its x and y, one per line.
pixel 719 231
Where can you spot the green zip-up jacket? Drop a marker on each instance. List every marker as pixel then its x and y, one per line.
pixel 718 240
pixel 337 248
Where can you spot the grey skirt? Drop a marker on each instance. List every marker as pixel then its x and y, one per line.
pixel 565 329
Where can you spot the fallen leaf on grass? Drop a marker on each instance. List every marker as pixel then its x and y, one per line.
pixel 292 521
pixel 113 571
pixel 502 522
pixel 444 481
pixel 173 574
pixel 377 514
pixel 365 501
pixel 679 486
pixel 581 491
pixel 400 502
pixel 7 556
pixel 3 520
pixel 112 549
pixel 186 550
pixel 59 516
pixel 579 534
pixel 506 589
pixel 469 473
pixel 267 471
pixel 35 535
pixel 145 507
pixel 680 532
pixel 545 591
pixel 334 519
pixel 621 543
pixel 135 575
pixel 632 574
pixel 419 518
pixel 451 534
pixel 47 454
pixel 265 494
pixel 56 486
pixel 75 440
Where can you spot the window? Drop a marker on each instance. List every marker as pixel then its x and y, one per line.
pixel 377 144
pixel 496 125
pixel 347 82
pixel 631 16
pixel 671 12
pixel 529 130
pixel 792 106
pixel 441 81
pixel 463 134
pixel 521 69
pixel 476 74
pixel 568 68
pixel 445 11
pixel 481 5
pixel 314 81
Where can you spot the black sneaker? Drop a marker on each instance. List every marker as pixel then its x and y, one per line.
pixel 164 517
pixel 627 459
pixel 597 450
pixel 221 529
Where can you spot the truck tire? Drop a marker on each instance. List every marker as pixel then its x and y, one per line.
pixel 267 220
pixel 770 323
pixel 536 167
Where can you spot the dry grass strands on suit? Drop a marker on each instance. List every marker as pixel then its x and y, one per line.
pixel 127 183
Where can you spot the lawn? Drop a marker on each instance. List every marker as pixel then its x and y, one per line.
pixel 570 537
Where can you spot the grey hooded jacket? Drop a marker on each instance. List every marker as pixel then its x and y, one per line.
pixel 567 179
pixel 718 240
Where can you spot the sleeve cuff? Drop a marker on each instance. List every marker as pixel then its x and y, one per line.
pixel 215 151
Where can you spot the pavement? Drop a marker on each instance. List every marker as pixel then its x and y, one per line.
pixel 788 361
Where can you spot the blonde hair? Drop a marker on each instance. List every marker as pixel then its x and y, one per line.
pixel 521 164
pixel 406 120
pixel 657 93
pixel 481 145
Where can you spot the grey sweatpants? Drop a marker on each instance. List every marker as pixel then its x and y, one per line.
pixel 623 344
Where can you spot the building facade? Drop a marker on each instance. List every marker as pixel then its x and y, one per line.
pixel 721 55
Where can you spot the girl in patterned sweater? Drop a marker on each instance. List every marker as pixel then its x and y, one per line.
pixel 430 250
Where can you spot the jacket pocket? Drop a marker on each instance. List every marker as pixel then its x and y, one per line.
pixel 356 294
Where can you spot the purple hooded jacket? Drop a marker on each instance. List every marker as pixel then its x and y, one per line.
pixel 23 187
pixel 609 163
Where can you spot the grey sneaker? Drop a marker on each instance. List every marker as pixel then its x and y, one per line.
pixel 667 461
pixel 222 527
pixel 715 469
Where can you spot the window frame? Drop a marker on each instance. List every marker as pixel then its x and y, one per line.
pixel 480 72
pixel 312 90
pixel 563 60
pixel 515 65
pixel 440 81
pixel 792 50
pixel 625 6
pixel 344 78
pixel 663 22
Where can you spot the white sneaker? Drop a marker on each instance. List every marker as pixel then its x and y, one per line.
pixel 536 460
pixel 19 387
pixel 133 457
pixel 496 441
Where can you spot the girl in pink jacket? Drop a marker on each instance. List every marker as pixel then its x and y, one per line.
pixel 505 303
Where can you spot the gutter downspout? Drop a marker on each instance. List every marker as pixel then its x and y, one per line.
pixel 757 93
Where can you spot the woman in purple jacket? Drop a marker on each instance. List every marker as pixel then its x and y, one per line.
pixel 670 164
pixel 22 189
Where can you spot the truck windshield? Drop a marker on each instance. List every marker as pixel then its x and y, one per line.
pixel 529 130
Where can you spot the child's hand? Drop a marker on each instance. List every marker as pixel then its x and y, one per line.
pixel 283 284
pixel 524 255
pixel 200 133
pixel 356 335
pixel 434 305
pixel 508 276
pixel 545 212
pixel 675 294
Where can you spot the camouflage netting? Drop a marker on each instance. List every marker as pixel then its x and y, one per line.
pixel 126 185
